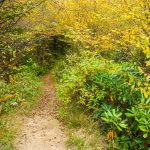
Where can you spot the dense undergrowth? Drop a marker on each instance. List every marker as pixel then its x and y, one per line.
pixel 115 94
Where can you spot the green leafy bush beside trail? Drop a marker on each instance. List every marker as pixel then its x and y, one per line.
pixel 22 87
pixel 117 94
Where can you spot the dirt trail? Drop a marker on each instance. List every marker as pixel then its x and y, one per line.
pixel 42 130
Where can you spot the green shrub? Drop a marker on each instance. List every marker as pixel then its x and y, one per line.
pixel 22 87
pixel 118 94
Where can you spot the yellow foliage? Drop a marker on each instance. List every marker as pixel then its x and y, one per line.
pixel 6 98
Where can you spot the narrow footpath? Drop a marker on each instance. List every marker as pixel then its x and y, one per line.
pixel 42 130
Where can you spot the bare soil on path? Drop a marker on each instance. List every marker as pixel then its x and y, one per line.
pixel 42 130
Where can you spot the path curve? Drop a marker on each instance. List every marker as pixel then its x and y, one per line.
pixel 42 130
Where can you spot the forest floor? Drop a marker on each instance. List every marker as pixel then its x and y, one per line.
pixel 42 130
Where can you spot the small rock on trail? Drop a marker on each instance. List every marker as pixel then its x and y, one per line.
pixel 42 130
